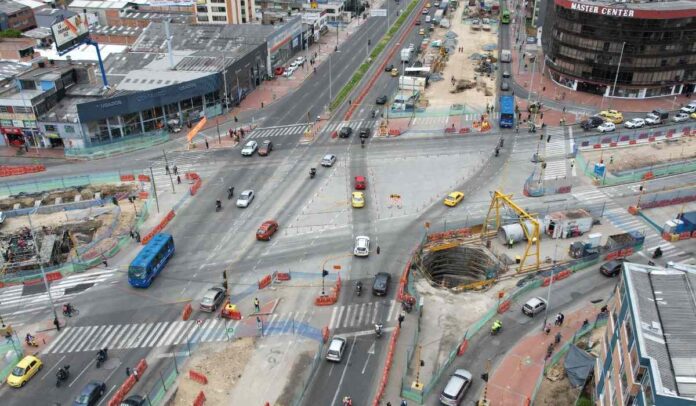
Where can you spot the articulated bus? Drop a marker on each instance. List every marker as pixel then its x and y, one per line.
pixel 151 260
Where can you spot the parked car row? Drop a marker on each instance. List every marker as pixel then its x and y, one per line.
pixel 606 121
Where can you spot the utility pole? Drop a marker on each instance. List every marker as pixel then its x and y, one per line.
pixel 41 267
pixel 217 125
pixel 169 172
pixel 154 189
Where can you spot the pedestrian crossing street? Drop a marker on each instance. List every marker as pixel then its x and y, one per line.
pixel 267 132
pixel 622 219
pixel 344 318
pixel 184 161
pixel 20 303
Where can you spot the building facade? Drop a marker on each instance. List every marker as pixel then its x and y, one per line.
pixel 15 16
pixel 225 11
pixel 637 49
pixel 647 355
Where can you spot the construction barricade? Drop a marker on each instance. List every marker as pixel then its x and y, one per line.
pixel 200 399
pixel 198 377
pixel 6 170
pixel 128 384
pixel 265 281
pixel 159 227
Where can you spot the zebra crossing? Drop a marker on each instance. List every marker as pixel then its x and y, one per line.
pixel 622 219
pixel 279 131
pixel 362 314
pixel 22 302
pixel 184 161
pixel 356 125
pixel 555 147
pixel 344 318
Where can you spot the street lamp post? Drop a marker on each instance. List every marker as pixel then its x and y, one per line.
pixel 548 295
pixel 618 67
pixel 330 80
pixel 41 267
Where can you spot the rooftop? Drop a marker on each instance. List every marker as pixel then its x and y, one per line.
pixel 94 4
pixel 9 69
pixel 10 7
pixel 664 306
pixel 46 17
pixel 38 33
pixel 31 3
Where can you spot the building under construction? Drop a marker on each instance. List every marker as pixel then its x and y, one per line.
pixel 20 251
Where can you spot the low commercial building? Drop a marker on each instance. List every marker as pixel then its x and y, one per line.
pixel 15 16
pixel 648 353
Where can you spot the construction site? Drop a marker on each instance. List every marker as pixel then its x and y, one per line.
pixel 51 228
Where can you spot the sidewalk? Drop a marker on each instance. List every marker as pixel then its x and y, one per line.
pixel 392 391
pixel 514 380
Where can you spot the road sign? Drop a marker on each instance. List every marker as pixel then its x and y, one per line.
pixel 378 12
pixel 337 267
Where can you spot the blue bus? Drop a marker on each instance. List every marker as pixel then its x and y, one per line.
pixel 507 111
pixel 151 260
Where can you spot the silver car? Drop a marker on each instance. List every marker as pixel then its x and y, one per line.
pixel 456 387
pixel 328 160
pixel 534 306
pixel 245 198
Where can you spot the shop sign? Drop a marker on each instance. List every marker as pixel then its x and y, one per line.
pixel 607 11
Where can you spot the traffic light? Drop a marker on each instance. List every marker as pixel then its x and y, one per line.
pixel 543 165
pixel 484 377
pixel 324 273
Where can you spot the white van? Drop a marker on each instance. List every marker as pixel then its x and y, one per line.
pixel 336 348
pixel 505 56
pixel 428 19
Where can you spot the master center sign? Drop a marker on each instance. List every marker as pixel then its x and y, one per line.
pixel 607 11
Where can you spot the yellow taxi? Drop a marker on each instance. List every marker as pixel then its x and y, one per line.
pixel 421 31
pixel 693 115
pixel 357 200
pixel 612 115
pixel 394 72
pixel 453 199
pixel 427 5
pixel 24 371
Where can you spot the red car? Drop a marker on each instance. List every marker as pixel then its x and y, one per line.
pixel 279 70
pixel 267 229
pixel 360 183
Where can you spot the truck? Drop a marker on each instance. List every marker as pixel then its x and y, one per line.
pixel 618 246
pixel 439 15
pixel 406 54
pixel 505 56
pixel 507 111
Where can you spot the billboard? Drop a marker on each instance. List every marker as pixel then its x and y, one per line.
pixel 70 32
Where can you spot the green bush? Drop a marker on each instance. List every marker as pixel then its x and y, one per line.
pixel 365 66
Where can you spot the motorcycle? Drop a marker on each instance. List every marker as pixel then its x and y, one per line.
pixel 101 357
pixel 378 330
pixel 31 341
pixel 497 151
pixel 407 305
pixel 358 288
pixel 230 193
pixel 69 310
pixel 497 326
pixel 657 253
pixel 62 375
pixel 218 206
pixel 312 173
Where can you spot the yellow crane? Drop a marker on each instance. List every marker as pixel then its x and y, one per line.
pixel 501 200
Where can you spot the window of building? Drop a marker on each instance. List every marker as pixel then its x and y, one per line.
pixel 6 109
pixel 69 129
pixel 624 380
pixel 219 18
pixel 203 18
pixel 628 328
pixel 647 390
pixel 201 9
pixel 218 9
pixel 27 84
pixel 49 127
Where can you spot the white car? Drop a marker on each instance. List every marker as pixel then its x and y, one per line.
pixel 328 160
pixel 679 117
pixel 2 217
pixel 289 71
pixel 245 198
pixel 689 108
pixel 653 119
pixel 250 148
pixel 362 246
pixel 300 60
pixel 635 123
pixel 606 127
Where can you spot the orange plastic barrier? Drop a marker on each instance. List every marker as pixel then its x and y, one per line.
pixel 462 347
pixel 325 300
pixel 143 178
pixel 562 275
pixel 186 313
pixel 464 130
pixel 612 255
pixel 547 282
pixel 127 178
pixel 128 384
pixel 666 236
pixel 200 399
pixel 265 281
pixel 633 210
pixel 325 334
pixel 648 175
pixel 6 170
pixel 143 195
pixel 505 306
pixel 198 377
pixel 685 235
pixel 450 130
pixel 54 276
pixel 394 131
pixel 334 134
pixel 159 227
pixel 693 235
pixel 283 276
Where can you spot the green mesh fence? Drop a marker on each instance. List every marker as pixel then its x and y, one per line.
pixel 9 357
pixel 38 186
pixel 119 147
pixel 587 167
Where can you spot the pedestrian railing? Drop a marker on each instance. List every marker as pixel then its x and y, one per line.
pixel 634 175
pixel 106 149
